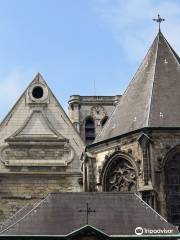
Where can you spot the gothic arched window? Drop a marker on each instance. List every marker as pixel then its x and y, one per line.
pixel 172 174
pixel 89 130
pixel 119 175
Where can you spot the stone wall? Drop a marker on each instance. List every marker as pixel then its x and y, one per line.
pixel 157 144
pixel 19 190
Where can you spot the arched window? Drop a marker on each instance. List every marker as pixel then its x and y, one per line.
pixel 104 120
pixel 119 175
pixel 89 130
pixel 172 174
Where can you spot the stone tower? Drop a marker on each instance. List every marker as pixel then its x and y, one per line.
pixel 139 147
pixel 90 113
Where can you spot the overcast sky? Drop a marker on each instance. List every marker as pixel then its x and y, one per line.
pixel 73 43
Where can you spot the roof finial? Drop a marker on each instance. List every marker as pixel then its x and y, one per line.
pixel 159 20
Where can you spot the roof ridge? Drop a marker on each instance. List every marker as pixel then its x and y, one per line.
pixel 157 47
pixel 5 223
pixel 133 78
pixel 28 213
pixel 176 57
pixel 8 115
pixel 92 193
pixel 147 94
pixel 153 210
pixel 171 49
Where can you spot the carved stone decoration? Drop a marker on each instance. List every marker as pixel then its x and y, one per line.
pixel 37 92
pixel 37 144
pixel 145 141
pixel 120 176
pixel 34 155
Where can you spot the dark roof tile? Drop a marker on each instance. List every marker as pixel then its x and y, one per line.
pixel 152 98
pixel 116 214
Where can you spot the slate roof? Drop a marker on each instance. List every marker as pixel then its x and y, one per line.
pixel 152 98
pixel 60 214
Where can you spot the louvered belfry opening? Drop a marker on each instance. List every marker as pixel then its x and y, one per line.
pixel 172 174
pixel 89 130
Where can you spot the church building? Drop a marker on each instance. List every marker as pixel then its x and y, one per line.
pixel 109 151
pixel 138 148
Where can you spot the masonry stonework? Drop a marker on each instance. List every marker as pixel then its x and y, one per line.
pixel 40 150
pixel 138 149
pixel 98 108
pixel 128 143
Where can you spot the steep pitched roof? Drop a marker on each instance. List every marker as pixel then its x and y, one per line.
pixel 152 98
pixel 63 213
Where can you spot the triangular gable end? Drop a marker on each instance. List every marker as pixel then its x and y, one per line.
pixel 38 79
pixel 89 231
pixel 36 126
pixel 52 110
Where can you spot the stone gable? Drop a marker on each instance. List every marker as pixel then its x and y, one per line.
pixel 40 149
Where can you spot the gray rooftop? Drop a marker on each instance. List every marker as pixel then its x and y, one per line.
pixel 61 214
pixel 152 98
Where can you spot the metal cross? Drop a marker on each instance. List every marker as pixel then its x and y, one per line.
pixel 159 20
pixel 87 211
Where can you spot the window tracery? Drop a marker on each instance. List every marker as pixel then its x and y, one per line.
pixel 172 174
pixel 120 176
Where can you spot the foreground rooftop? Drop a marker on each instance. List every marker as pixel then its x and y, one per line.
pixel 64 214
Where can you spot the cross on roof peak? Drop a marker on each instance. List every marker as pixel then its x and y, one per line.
pixel 159 20
pixel 88 210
